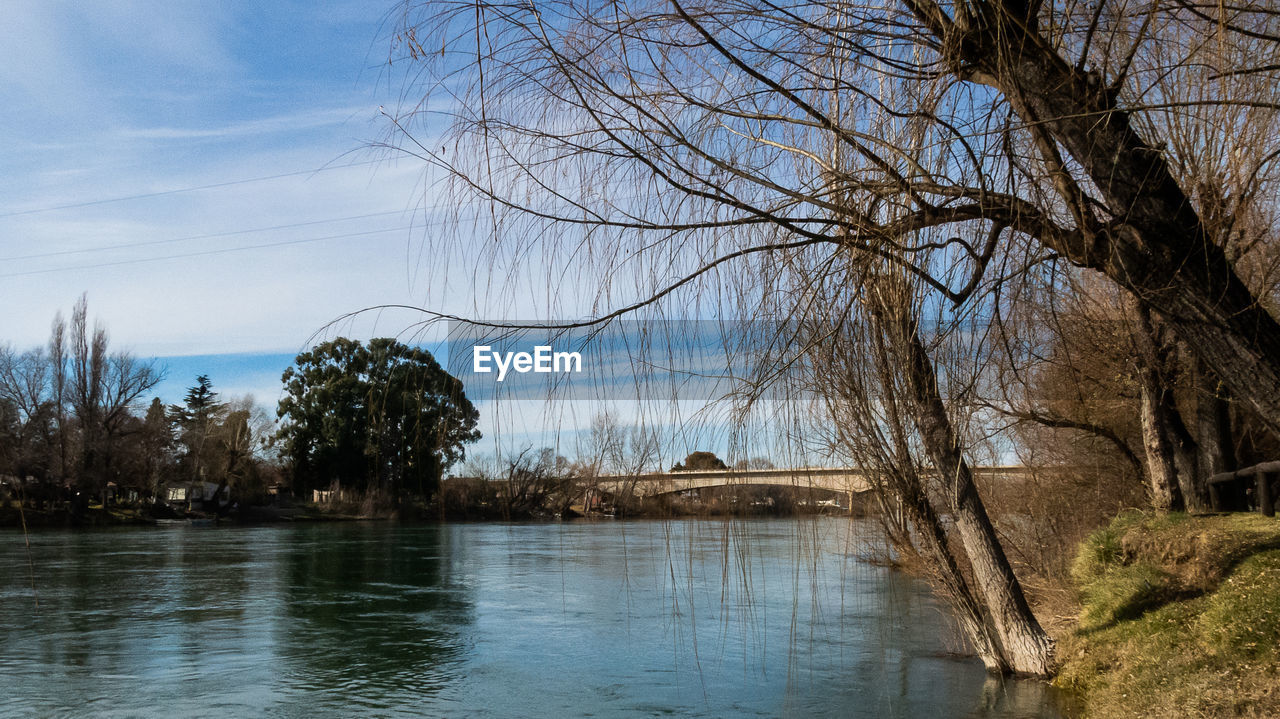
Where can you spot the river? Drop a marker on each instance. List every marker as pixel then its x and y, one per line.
pixel 705 618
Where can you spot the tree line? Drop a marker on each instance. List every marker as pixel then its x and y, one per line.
pixel 67 414
pixel 76 426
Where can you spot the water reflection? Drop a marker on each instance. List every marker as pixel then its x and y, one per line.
pixel 372 613
pixel 1002 697
pixel 764 618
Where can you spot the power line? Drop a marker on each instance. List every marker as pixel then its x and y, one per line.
pixel 223 234
pixel 230 233
pixel 178 191
pixel 214 235
pixel 208 252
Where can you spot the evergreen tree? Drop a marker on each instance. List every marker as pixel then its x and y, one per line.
pixel 195 422
pixel 156 440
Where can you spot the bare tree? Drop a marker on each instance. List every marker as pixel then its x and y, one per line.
pixel 104 389
pixel 861 388
pixel 1026 647
pixel 1047 118
pixel 610 448
pixel 58 365
pixel 875 372
pixel 534 481
pixel 25 388
pixel 671 153
pixel 1100 366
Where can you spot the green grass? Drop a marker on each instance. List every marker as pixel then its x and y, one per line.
pixel 1180 618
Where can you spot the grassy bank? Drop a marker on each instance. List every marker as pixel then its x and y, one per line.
pixel 1180 618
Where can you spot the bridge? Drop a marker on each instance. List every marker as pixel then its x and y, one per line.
pixel 848 480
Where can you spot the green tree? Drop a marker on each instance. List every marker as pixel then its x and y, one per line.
pixel 379 417
pixel 195 422
pixel 156 442
pixel 201 401
pixel 699 461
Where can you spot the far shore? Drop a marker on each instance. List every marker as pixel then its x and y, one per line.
pixel 95 518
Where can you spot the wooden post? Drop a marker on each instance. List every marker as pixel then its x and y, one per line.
pixel 1266 504
pixel 1234 490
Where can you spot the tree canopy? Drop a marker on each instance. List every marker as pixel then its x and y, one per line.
pixel 699 461
pixel 382 416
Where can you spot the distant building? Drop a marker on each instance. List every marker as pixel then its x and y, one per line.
pixel 326 496
pixel 190 494
pixel 117 492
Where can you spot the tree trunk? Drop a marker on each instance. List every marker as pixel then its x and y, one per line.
pixel 1027 649
pixel 1213 430
pixel 946 569
pixel 1162 469
pixel 1194 487
pixel 1156 245
pixel 930 539
pixel 1172 456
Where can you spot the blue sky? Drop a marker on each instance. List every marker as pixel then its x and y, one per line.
pixel 203 171
pixel 111 107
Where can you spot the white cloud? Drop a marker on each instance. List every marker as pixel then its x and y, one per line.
pixel 126 100
pixel 266 298
pixel 292 123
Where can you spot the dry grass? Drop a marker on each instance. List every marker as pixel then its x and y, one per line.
pixel 1180 618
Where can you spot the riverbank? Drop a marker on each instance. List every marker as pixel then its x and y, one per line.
pixel 1180 617
pixel 124 516
pixel 65 517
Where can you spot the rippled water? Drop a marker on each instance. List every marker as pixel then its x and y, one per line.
pixel 688 618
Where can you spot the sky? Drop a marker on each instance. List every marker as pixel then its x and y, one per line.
pixel 203 172
pixel 206 174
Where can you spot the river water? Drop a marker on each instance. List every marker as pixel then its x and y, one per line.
pixel 604 619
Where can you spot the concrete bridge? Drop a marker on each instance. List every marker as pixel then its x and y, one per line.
pixel 836 479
